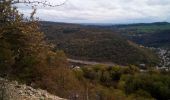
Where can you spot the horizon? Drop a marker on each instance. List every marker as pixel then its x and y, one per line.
pixel 103 12
pixel 102 24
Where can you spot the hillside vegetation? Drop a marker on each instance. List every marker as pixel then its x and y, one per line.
pixel 149 34
pixel 96 44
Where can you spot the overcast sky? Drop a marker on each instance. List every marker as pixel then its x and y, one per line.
pixel 104 11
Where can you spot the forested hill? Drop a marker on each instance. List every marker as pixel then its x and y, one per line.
pixel 95 44
pixel 148 34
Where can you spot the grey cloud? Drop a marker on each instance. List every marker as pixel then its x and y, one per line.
pixel 103 11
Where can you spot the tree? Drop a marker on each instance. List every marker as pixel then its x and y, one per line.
pixel 36 2
pixel 27 57
pixel 22 43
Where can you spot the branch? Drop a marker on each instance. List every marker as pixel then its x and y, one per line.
pixel 44 3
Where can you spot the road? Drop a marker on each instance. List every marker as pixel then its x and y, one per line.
pixel 90 62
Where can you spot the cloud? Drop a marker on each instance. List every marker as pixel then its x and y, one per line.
pixel 104 11
pixel 159 2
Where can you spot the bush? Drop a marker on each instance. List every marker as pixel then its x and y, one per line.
pixel 156 85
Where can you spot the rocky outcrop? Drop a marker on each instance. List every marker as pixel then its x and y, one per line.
pixel 15 91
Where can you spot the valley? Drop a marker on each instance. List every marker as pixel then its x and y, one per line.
pixel 114 43
pixel 84 56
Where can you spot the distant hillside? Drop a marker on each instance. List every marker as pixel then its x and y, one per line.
pixel 153 35
pixel 156 39
pixel 82 42
pixel 148 34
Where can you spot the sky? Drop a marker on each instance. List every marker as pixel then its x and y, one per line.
pixel 103 11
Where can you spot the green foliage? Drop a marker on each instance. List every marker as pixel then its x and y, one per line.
pixel 158 86
pixel 148 28
pixel 108 76
pixel 136 85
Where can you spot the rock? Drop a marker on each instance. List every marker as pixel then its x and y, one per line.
pixel 17 86
pixel 23 92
